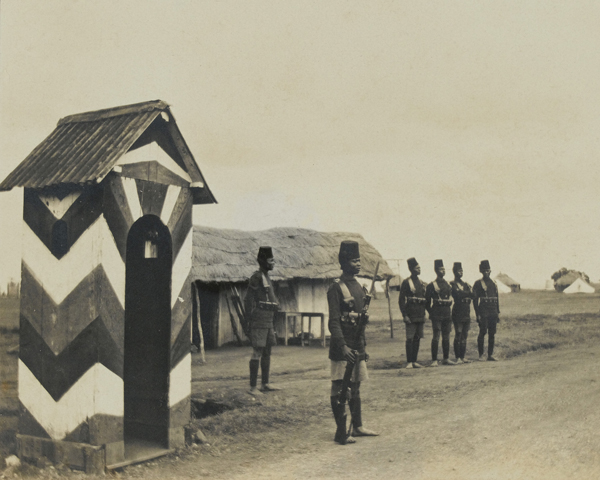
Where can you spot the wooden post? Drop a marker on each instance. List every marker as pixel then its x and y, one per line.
pixel 387 294
pixel 197 295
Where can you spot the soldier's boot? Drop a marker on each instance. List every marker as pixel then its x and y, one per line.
pixel 341 435
pixel 409 353
pixel 265 368
pixel 434 352
pixel 416 345
pixel 480 341
pixel 357 427
pixel 254 378
pixel 491 341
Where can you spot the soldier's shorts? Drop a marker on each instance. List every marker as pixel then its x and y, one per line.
pixel 262 337
pixel 359 374
pixel 488 324
pixel 462 326
pixel 414 330
pixel 442 324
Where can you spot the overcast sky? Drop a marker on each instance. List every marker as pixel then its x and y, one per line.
pixel 461 130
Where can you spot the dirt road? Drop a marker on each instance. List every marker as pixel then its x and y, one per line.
pixel 535 416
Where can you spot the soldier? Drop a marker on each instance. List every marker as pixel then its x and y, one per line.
pixel 346 300
pixel 260 305
pixel 438 297
pixel 461 313
pixel 487 309
pixel 412 306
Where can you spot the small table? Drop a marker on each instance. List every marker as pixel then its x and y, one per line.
pixel 302 315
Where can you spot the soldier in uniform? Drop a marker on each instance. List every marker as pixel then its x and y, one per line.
pixel 461 313
pixel 346 300
pixel 487 309
pixel 438 297
pixel 412 306
pixel 260 305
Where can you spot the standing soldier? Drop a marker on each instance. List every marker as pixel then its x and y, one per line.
pixel 461 313
pixel 346 300
pixel 412 306
pixel 439 299
pixel 487 309
pixel 260 305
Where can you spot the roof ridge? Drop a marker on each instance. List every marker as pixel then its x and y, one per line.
pixel 104 113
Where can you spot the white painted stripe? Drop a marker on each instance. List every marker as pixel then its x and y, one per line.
pixel 98 391
pixel 153 152
pixel 57 207
pixel 59 277
pixel 132 197
pixel 182 267
pixel 180 381
pixel 170 201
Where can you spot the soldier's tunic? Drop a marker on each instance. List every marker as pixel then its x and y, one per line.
pixel 487 307
pixel 439 299
pixel 412 304
pixel 260 305
pixel 461 315
pixel 343 327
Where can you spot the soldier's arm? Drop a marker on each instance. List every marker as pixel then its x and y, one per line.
pixel 250 297
pixel 476 299
pixel 428 297
pixel 334 298
pixel 402 299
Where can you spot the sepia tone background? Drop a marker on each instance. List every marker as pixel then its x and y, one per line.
pixel 458 130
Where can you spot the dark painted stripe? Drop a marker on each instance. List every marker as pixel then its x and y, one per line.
pixel 97 430
pixel 80 434
pixel 84 212
pixel 180 222
pixel 60 324
pixel 183 342
pixel 153 171
pixel 38 217
pixel 152 196
pixel 28 425
pixel 180 414
pixel 78 218
pixel 182 309
pixel 116 212
pixel 58 373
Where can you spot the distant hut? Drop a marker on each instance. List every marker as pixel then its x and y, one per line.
pixel 104 358
pixel 306 262
pixel 506 284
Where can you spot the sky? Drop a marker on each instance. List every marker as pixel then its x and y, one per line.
pixel 461 130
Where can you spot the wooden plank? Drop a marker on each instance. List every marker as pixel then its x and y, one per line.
pixel 153 171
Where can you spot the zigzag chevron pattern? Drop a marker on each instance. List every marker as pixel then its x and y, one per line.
pixel 180 385
pixel 98 391
pixel 169 204
pixel 60 277
pixel 58 373
pixel 92 297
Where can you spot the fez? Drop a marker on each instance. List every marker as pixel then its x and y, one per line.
pixel 264 253
pixel 484 265
pixel 348 251
pixel 438 264
pixel 457 266
pixel 412 263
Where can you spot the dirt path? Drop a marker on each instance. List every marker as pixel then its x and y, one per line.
pixel 536 416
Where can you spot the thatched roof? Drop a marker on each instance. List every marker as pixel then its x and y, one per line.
pixel 506 280
pixel 222 255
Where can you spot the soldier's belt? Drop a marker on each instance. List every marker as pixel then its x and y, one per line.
pixel 416 300
pixel 269 306
pixel 349 318
pixel 488 300
pixel 465 300
pixel 442 302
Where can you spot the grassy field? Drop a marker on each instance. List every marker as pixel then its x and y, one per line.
pixel 530 321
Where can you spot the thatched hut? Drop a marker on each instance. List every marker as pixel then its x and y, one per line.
pixel 506 281
pixel 306 264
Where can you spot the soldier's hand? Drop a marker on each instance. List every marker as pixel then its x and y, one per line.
pixel 366 317
pixel 406 320
pixel 349 354
pixel 478 318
